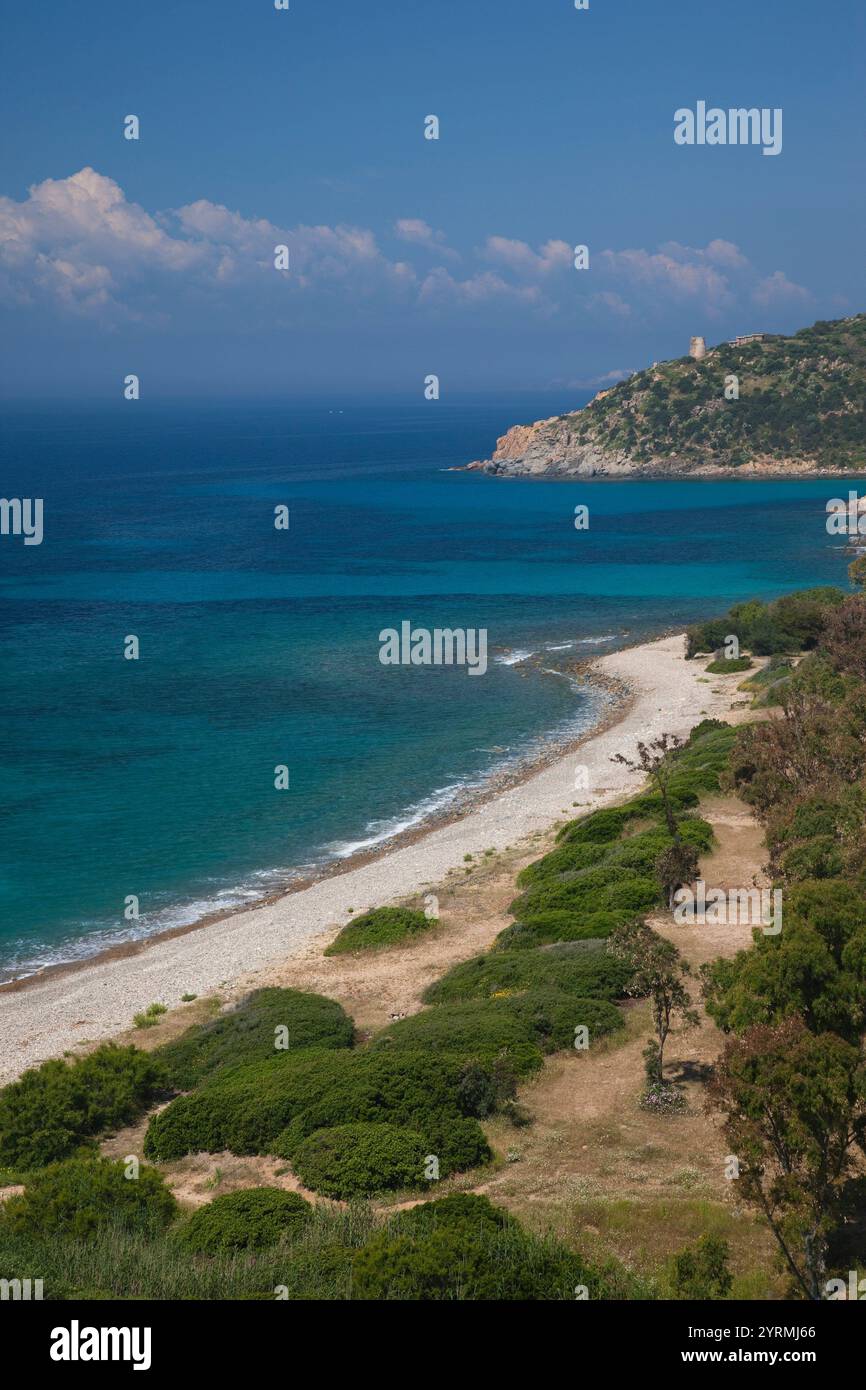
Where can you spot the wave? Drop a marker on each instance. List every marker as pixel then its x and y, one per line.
pixel 513 658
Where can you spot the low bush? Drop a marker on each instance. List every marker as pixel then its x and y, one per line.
pixel 728 666
pixel 382 926
pixel 515 1027
pixel 792 623
pixel 558 924
pixel 566 858
pixel 553 1017
pixel 701 1271
pixel 53 1109
pixel 82 1196
pixel 469 1254
pixel 250 1219
pixel 820 857
pixel 250 1032
pixel 598 828
pixel 661 1098
pixel 358 1160
pixel 478 1030
pixel 580 968
pixel 608 887
pixel 149 1017
pixel 459 1210
pixel 271 1107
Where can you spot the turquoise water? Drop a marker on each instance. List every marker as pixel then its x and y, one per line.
pixel 259 648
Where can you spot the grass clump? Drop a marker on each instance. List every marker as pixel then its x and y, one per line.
pixel 383 926
pixel 149 1017
pixel 266 1020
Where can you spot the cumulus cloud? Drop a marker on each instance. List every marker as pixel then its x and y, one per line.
pixel 519 257
pixel 78 246
pixel 777 289
pixel 419 233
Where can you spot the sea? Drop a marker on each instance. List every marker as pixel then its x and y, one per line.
pixel 193 709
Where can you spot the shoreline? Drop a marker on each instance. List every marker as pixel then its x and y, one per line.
pixel 653 689
pixel 613 695
pixel 744 474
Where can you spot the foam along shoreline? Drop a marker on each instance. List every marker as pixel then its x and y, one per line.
pixel 48 1013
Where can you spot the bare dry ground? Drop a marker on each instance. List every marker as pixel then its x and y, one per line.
pixel 597 1169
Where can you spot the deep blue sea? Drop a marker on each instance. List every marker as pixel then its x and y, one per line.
pixel 155 777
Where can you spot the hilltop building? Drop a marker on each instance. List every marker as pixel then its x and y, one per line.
pixel 748 338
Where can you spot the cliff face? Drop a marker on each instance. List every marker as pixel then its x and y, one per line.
pixel 780 407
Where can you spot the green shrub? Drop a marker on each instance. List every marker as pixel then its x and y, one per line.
pixel 53 1109
pixel 249 1032
pixel 382 926
pixel 270 1107
pixel 466 1211
pixel 477 1030
pixel 790 624
pixel 566 858
pixel 357 1160
pixel 482 1090
pixel 581 968
pixel 701 1271
pixel 468 1254
pixel 820 857
pixel 558 924
pixel 600 827
pixel 516 1027
pixel 776 669
pixel 727 666
pixel 81 1196
pixel 815 816
pixel 553 1017
pixel 251 1219
pixel 608 887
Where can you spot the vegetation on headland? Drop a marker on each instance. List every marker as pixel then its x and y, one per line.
pixel 282 1074
pixel 800 403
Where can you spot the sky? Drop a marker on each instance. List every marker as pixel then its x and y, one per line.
pixel 408 257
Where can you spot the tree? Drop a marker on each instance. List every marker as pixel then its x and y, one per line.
pixel 857 572
pixel 676 865
pixel 795 1113
pixel 652 761
pixel 844 638
pixel 658 971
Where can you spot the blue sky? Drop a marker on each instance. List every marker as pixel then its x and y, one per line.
pixel 412 256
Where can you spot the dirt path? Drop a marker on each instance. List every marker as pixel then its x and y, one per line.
pixel 593 1163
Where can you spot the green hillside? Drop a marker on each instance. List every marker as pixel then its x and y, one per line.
pixel 800 398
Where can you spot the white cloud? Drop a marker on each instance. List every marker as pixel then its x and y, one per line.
pixel 519 257
pixel 419 233
pixel 78 246
pixel 777 289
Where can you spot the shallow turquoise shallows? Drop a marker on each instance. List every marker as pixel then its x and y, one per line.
pixel 260 648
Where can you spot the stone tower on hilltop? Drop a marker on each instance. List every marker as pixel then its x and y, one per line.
pixel 697 349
